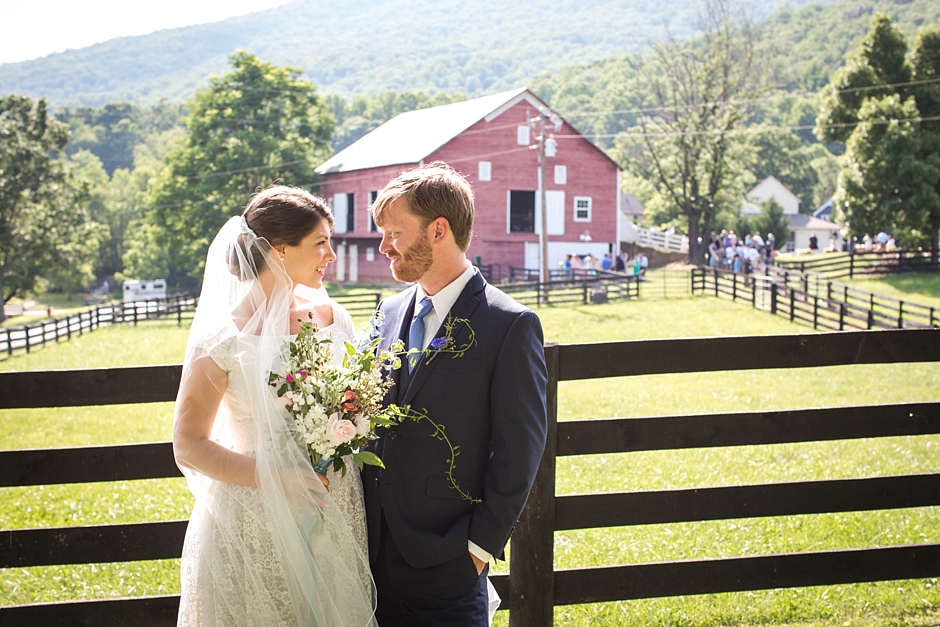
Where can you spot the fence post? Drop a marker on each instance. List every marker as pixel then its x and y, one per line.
pixel 792 300
pixel 901 314
pixel 815 311
pixel 851 263
pixel 532 556
pixel 734 286
pixel 716 281
pixel 931 316
pixel 10 339
pixel 842 316
pixel 584 296
pixel 754 292
pixel 773 298
pixel 871 318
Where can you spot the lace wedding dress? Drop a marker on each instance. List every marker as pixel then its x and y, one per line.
pixel 237 570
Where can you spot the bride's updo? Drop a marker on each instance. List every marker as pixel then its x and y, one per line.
pixel 278 215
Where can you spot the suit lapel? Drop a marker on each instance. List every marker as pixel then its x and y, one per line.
pixel 395 327
pixel 463 307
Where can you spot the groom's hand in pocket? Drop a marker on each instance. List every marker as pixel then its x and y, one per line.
pixel 480 564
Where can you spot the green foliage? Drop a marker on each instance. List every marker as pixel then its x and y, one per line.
pixel 254 126
pixel 45 227
pixel 780 154
pixel 113 131
pixel 891 175
pixel 771 220
pixel 885 184
pixel 693 98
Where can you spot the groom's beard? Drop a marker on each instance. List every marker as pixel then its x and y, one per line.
pixel 413 263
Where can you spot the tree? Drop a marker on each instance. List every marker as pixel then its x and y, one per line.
pixel 692 97
pixel 890 178
pixel 772 220
pixel 256 125
pixel 885 184
pixel 43 209
pixel 780 154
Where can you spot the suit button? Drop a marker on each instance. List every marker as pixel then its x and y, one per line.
pixel 392 435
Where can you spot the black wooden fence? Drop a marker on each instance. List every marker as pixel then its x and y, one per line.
pixel 35 335
pixel 572 288
pixel 29 337
pixel 533 587
pixel 814 300
pixel 838 265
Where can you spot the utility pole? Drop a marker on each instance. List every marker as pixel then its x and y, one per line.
pixel 547 147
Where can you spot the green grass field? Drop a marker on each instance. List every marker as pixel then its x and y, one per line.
pixel 887 603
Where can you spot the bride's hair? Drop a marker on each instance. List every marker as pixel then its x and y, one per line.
pixel 278 215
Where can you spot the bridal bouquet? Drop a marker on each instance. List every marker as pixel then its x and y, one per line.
pixel 335 408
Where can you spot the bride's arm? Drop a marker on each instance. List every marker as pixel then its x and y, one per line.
pixel 200 396
pixel 199 399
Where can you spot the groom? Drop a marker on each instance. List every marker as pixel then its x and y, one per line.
pixel 429 545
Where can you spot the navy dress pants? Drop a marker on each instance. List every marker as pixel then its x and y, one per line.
pixel 447 594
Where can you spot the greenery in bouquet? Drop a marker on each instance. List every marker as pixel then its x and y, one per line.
pixel 335 408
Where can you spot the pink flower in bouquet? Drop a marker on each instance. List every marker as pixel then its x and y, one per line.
pixel 289 378
pixel 339 430
pixel 302 374
pixel 350 399
pixel 363 426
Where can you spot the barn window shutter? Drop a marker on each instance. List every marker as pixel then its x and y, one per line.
pixel 522 135
pixel 340 212
pixel 561 175
pixel 485 171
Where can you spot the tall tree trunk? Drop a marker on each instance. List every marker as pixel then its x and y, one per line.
pixel 935 243
pixel 696 247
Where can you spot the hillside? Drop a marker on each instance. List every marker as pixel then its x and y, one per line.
pixel 800 47
pixel 367 46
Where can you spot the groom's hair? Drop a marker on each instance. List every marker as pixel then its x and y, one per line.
pixel 433 191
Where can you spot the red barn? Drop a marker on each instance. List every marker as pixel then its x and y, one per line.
pixel 489 141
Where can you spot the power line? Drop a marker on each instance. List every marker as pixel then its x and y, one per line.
pixel 754 130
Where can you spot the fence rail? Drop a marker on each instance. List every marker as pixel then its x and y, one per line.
pixel 31 336
pixel 35 335
pixel 838 265
pixel 815 300
pixel 533 587
pixel 569 288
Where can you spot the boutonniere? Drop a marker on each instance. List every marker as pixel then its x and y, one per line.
pixel 446 342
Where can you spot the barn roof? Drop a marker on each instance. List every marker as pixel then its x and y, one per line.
pixel 412 136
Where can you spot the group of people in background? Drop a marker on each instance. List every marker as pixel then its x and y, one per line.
pixel 588 264
pixel 751 253
pixel 881 243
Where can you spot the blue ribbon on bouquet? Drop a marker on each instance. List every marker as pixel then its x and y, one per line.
pixel 322 465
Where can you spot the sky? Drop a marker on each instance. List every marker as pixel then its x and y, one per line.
pixel 35 28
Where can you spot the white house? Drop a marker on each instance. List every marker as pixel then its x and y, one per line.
pixel 802 227
pixel 769 188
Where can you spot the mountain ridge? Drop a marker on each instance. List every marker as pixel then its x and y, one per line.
pixel 364 46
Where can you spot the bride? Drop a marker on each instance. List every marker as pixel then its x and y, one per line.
pixel 267 543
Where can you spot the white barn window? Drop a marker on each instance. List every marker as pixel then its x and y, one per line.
pixel 485 171
pixel 561 175
pixel 522 135
pixel 582 208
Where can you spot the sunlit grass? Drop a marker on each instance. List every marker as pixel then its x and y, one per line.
pixel 885 603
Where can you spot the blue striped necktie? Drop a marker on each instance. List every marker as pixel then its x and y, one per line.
pixel 416 332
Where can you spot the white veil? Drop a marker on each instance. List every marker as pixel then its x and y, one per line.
pixel 280 553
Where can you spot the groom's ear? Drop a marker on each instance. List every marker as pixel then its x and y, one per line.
pixel 438 229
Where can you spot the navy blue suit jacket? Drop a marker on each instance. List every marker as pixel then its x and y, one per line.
pixel 491 402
